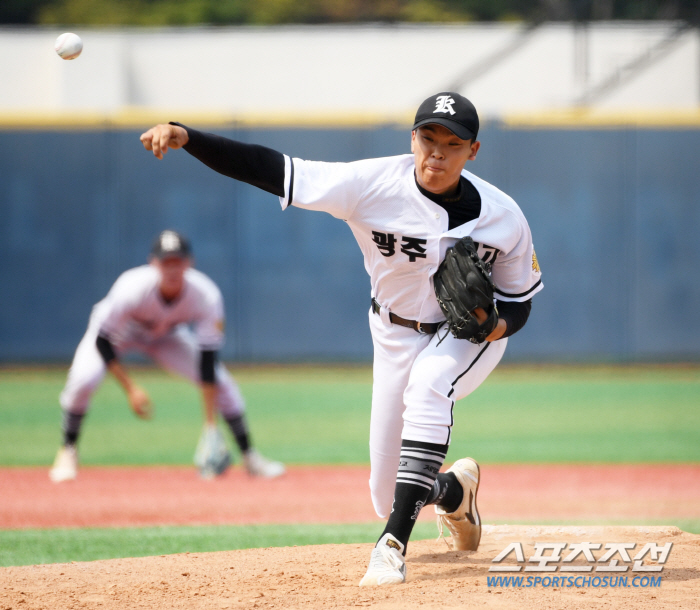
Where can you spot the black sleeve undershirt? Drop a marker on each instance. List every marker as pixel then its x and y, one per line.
pixel 264 168
pixel 207 365
pixel 251 163
pixel 207 361
pixel 106 349
pixel 515 313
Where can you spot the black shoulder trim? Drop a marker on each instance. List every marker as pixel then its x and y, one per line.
pixel 517 296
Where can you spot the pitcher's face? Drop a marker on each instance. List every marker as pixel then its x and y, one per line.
pixel 440 157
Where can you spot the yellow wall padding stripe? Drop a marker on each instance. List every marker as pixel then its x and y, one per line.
pixel 138 118
pixel 144 118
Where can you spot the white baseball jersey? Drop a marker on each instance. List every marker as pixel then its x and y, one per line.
pixel 404 235
pixel 135 310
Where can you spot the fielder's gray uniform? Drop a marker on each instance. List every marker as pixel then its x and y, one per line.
pixel 134 317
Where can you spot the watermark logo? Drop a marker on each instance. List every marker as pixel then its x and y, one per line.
pixel 548 555
pixel 614 558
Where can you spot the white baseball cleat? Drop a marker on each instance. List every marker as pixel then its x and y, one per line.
pixel 258 465
pixel 464 523
pixel 387 565
pixel 65 466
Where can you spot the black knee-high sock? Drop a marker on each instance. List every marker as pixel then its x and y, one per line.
pixel 419 465
pixel 239 429
pixel 446 492
pixel 71 427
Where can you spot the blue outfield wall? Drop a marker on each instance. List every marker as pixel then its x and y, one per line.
pixel 615 215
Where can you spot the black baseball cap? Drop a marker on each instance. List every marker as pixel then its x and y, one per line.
pixel 171 243
pixel 450 110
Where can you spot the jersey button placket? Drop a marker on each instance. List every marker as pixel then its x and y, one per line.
pixel 432 258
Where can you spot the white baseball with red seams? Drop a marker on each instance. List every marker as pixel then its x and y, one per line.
pixel 68 45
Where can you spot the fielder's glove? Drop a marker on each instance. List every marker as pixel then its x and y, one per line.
pixel 462 283
pixel 212 456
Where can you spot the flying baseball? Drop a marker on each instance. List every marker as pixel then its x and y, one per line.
pixel 68 46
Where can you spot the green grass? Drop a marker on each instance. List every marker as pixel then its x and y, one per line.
pixel 25 547
pixel 320 415
pixel 28 547
pixel 308 415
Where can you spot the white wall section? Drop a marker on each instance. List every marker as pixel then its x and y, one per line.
pixel 345 71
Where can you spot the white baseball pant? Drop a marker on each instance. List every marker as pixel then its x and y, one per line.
pixel 177 352
pixel 417 379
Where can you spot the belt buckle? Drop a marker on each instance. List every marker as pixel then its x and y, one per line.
pixel 419 329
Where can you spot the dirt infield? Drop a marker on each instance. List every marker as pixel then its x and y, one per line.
pixel 320 577
pixel 172 496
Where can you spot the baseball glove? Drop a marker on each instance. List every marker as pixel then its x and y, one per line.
pixel 462 283
pixel 212 456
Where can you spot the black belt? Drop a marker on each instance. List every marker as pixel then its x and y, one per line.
pixel 419 327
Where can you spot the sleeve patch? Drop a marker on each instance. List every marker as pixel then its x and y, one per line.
pixel 535 264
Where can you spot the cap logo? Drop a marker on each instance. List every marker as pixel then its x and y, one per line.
pixel 169 242
pixel 444 104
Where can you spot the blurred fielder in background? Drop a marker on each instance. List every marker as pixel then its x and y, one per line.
pixel 175 315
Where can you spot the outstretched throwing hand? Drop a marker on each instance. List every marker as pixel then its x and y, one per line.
pixel 161 137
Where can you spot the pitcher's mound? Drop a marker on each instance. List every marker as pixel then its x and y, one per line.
pixel 327 576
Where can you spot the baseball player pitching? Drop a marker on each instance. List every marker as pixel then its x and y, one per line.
pixel 152 309
pixel 409 213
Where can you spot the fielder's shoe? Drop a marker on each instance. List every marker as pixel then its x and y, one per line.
pixel 65 466
pixel 387 565
pixel 464 523
pixel 259 466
